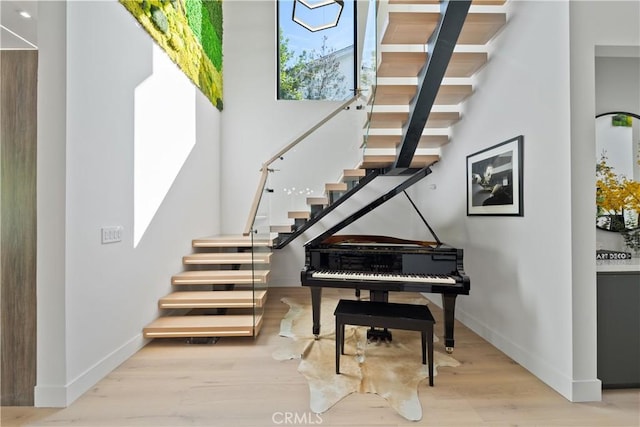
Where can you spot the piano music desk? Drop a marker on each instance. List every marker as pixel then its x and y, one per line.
pixel 378 314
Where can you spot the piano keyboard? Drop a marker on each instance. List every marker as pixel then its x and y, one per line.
pixel 388 277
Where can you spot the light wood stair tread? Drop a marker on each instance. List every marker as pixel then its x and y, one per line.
pixel 410 27
pixel 354 173
pixel 392 141
pixel 203 326
pixel 403 94
pixel 228 258
pixel 323 201
pixel 299 215
pixel 286 228
pixel 384 161
pixel 336 186
pixel 397 120
pixel 213 277
pixel 214 299
pixel 230 241
pixel 409 64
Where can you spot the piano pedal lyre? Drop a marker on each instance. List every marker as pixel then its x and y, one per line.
pixel 378 335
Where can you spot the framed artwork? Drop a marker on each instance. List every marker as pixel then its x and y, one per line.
pixel 494 179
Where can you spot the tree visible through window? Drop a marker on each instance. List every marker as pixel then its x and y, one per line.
pixel 316 65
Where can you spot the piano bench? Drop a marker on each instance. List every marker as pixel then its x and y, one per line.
pixel 380 314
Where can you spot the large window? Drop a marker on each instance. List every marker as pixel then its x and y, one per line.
pixel 316 65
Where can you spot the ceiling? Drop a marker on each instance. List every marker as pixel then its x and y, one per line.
pixel 17 32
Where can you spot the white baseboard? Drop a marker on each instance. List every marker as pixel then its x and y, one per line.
pixel 63 396
pixel 570 389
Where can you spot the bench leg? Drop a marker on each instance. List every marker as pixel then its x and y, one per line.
pixel 430 350
pixel 339 342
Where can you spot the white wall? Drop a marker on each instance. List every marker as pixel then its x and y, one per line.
pixel 51 212
pixel 108 292
pixel 519 267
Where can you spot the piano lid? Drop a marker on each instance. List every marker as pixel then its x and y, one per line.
pixel 322 238
pixel 364 239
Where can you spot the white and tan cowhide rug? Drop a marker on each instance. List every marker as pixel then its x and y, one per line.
pixel 392 370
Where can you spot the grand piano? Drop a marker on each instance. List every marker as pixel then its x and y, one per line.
pixel 383 264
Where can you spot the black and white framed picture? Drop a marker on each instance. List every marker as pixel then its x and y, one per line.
pixel 494 179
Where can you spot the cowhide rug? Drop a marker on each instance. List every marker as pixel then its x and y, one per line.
pixel 392 370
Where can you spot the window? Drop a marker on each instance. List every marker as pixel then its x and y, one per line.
pixel 316 65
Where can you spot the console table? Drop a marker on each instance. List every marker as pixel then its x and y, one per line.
pixel 618 299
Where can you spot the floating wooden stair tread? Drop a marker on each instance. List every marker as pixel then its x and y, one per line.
pixel 214 299
pixel 392 141
pixel 409 64
pixel 413 27
pixel 396 120
pixel 220 258
pixel 353 173
pixel 379 162
pixel 320 201
pixel 220 277
pixel 230 242
pixel 403 94
pixel 204 326
pixel 336 186
pixel 288 228
pixel 465 64
pixel 401 64
pixel 394 94
pixel 299 215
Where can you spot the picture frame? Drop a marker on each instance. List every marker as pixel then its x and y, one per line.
pixel 495 179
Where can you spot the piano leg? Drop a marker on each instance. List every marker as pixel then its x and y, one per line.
pixel 449 305
pixel 316 299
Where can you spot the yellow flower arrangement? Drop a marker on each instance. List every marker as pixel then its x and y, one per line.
pixel 618 198
pixel 615 194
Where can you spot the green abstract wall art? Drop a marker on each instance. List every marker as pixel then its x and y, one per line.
pixel 190 32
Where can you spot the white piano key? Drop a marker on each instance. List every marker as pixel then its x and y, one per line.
pixel 390 277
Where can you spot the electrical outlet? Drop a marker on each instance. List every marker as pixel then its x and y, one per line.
pixel 111 234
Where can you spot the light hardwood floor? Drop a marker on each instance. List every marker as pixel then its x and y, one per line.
pixel 236 382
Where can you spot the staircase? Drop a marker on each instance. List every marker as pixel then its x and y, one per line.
pixel 224 286
pixel 404 56
pixel 222 291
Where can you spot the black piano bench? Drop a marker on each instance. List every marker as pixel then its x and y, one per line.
pixel 379 314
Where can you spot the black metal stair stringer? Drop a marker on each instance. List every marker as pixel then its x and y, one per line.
pixel 371 174
pixel 440 48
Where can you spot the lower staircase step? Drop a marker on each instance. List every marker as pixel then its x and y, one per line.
pixel 220 277
pixel 231 241
pixel 228 258
pixel 228 325
pixel 214 299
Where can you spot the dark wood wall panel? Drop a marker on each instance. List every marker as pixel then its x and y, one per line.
pixel 18 137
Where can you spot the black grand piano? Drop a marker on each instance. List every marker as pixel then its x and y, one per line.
pixel 382 264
